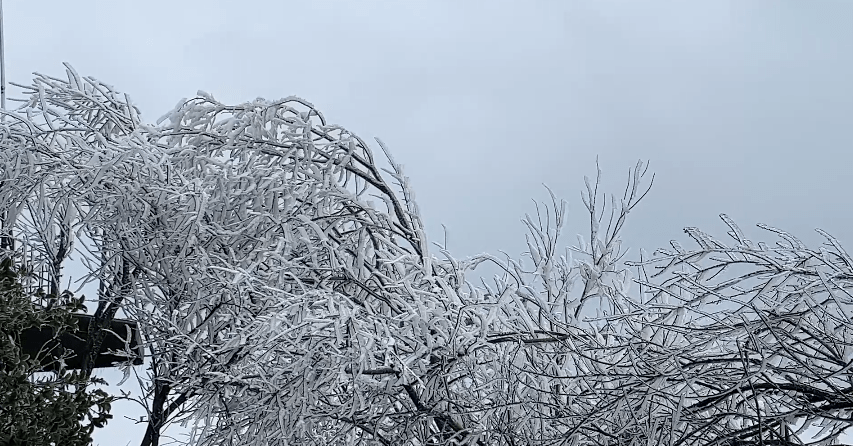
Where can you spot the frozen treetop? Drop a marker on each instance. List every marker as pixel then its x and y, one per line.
pixel 287 292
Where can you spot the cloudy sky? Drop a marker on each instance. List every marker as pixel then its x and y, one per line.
pixel 742 107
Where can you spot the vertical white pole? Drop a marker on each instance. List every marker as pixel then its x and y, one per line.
pixel 2 65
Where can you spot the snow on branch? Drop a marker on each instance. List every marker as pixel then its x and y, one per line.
pixel 280 304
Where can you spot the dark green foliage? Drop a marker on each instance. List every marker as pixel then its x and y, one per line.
pixel 59 408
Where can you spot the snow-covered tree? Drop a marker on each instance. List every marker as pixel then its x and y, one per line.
pixel 287 292
pixel 751 343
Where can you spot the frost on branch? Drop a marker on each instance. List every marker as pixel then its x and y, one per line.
pixel 752 342
pixel 276 299
pixel 244 240
pixel 287 293
pixel 284 286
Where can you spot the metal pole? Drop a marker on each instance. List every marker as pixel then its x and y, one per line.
pixel 2 65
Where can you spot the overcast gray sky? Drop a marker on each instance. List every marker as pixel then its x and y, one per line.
pixel 742 107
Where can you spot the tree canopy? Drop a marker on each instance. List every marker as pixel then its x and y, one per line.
pixel 288 294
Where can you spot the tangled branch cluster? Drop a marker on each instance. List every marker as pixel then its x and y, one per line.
pixel 288 294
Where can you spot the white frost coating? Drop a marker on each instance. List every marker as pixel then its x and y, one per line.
pixel 271 289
